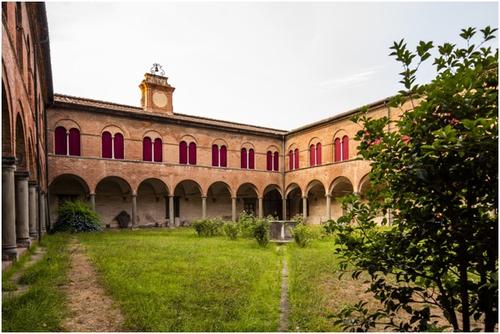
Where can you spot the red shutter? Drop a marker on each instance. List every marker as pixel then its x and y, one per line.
pixel 318 154
pixel 183 152
pixel 74 142
pixel 119 146
pixel 223 156
pixel 244 158
pixel 192 153
pixel 251 159
pixel 296 158
pixel 312 155
pixel 345 148
pixel 107 145
pixel 276 161
pixel 290 160
pixel 158 150
pixel 269 162
pixel 60 140
pixel 337 149
pixel 146 149
pixel 215 155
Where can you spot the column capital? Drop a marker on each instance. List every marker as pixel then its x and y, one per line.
pixel 234 197
pixel 32 183
pixel 357 193
pixel 92 193
pixel 171 195
pixel 22 174
pixel 134 194
pixel 328 195
pixel 204 197
pixel 304 197
pixel 8 161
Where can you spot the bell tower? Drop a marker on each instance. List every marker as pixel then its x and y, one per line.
pixel 156 92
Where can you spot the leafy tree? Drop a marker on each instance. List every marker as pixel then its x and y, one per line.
pixel 435 174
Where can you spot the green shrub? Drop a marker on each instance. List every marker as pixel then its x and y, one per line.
pixel 329 227
pixel 298 218
pixel 76 217
pixel 303 234
pixel 231 230
pixel 208 227
pixel 247 224
pixel 261 231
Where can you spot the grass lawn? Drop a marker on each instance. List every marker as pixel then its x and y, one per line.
pixel 173 280
pixel 42 307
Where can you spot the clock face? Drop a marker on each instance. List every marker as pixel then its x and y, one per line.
pixel 160 99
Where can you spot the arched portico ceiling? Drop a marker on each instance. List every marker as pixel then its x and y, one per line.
pixel 271 187
pixel 187 188
pixel 293 187
pixel 247 190
pixel 315 185
pixel 341 186
pixel 117 181
pixel 219 188
pixel 159 187
pixel 6 122
pixel 21 153
pixel 364 184
pixel 62 181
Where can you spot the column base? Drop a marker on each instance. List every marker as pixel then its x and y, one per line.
pixel 33 235
pixel 9 253
pixel 25 242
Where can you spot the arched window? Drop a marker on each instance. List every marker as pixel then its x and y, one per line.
pixel 312 155
pixel 158 150
pixel 345 148
pixel 61 144
pixel 215 155
pixel 290 160
pixel 223 156
pixel 192 153
pixel 251 159
pixel 74 142
pixel 118 146
pixel 107 145
pixel 318 154
pixel 269 161
pixel 338 149
pixel 296 158
pixel 244 158
pixel 183 154
pixel 276 161
pixel 146 149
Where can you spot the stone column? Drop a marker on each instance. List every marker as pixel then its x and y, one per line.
pixel 134 209
pixel 9 246
pixel 203 207
pixel 92 201
pixel 233 209
pixel 22 209
pixel 328 206
pixel 33 201
pixel 304 207
pixel 171 218
pixel 284 208
pixel 261 207
pixel 43 213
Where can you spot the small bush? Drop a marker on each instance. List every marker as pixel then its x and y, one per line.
pixel 247 224
pixel 76 217
pixel 261 231
pixel 303 234
pixel 231 230
pixel 208 227
pixel 298 218
pixel 329 227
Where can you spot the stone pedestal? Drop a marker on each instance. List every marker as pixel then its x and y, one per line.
pixel 9 246
pixel 33 209
pixel 22 210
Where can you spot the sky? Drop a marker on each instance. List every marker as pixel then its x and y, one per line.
pixel 275 64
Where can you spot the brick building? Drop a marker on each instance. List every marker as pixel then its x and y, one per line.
pixel 161 167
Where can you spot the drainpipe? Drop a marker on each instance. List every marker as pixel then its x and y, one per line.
pixel 37 130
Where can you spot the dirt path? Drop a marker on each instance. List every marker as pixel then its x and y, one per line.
pixel 283 326
pixel 91 309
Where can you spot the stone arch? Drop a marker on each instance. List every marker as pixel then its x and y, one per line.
pixel 364 185
pixel 152 202
pixel 114 129
pixel 65 187
pixel 219 203
pixel 291 187
pixel 21 147
pixel 246 198
pixel 187 202
pixel 292 147
pixel 339 134
pixel 247 145
pixel 113 195
pixel 188 139
pixel 314 141
pixel 340 187
pixel 273 148
pixel 153 134
pixel 219 142
pixel 316 204
pixel 273 201
pixel 67 124
pixel 294 202
pixel 7 149
pixel 314 183
pixel 31 159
